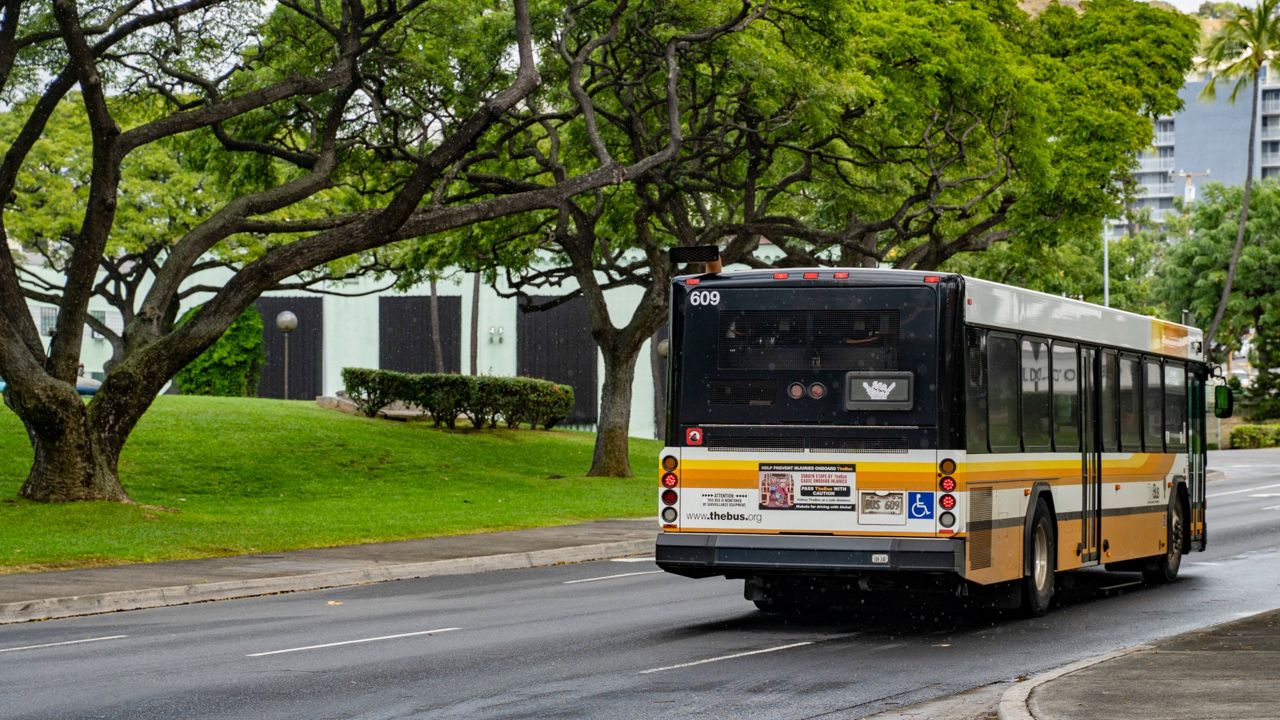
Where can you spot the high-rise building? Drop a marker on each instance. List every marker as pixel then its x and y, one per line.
pixel 1205 142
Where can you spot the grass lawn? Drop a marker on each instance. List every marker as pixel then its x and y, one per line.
pixel 226 476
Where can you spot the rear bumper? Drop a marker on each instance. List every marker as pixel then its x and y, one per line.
pixel 737 555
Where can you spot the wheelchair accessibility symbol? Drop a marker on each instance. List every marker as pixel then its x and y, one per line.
pixel 920 505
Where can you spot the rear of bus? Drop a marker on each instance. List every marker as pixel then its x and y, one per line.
pixel 809 426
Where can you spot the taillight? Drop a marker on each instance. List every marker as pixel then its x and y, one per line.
pixel 795 391
pixel 947 519
pixel 670 480
pixel 670 463
pixel 817 391
pixel 669 497
pixel 947 484
pixel 948 502
pixel 947 466
pixel 669 515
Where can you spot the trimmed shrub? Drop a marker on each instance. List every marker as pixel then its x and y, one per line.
pixel 372 390
pixel 232 365
pixel 1255 436
pixel 483 400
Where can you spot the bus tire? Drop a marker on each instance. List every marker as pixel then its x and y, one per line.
pixel 1163 569
pixel 1037 586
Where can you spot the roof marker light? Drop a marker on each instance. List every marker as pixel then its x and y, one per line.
pixel 842 276
pixel 779 276
pixel 811 276
pixel 932 278
pixel 692 281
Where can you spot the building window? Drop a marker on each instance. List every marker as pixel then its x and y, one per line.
pixel 1035 395
pixel 100 316
pixel 48 321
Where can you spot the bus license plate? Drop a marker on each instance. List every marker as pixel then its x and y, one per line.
pixel 881 508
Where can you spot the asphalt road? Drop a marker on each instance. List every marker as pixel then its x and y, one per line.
pixel 613 640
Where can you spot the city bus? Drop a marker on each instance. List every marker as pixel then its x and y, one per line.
pixel 842 430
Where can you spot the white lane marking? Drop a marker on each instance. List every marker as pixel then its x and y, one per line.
pixel 353 642
pixel 1273 507
pixel 69 642
pixel 1205 562
pixel 726 657
pixel 1265 495
pixel 1246 490
pixel 630 560
pixel 610 577
pixel 889 646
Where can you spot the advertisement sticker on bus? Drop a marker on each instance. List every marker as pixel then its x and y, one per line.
pixel 807 486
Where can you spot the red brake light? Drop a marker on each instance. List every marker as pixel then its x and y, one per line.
pixel 779 276
pixel 669 497
pixel 811 276
pixel 817 391
pixel 670 480
pixel 948 502
pixel 948 484
pixel 795 391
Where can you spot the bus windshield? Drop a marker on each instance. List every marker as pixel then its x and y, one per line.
pixel 829 355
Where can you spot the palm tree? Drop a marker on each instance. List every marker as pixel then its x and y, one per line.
pixel 1239 51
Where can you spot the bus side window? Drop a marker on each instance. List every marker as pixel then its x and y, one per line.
pixel 1175 407
pixel 1066 397
pixel 1035 395
pixel 1002 393
pixel 1108 418
pixel 975 400
pixel 1130 405
pixel 1152 407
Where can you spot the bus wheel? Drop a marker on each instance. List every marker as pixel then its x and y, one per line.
pixel 1037 586
pixel 1164 568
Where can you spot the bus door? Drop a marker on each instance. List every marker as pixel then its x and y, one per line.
pixel 1196 460
pixel 1091 466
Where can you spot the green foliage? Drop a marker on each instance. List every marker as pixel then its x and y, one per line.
pixel 1255 436
pixel 1196 270
pixel 230 367
pixel 447 396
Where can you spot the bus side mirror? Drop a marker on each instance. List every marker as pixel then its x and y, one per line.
pixel 1223 401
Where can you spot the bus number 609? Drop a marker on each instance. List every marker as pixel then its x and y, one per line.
pixel 704 297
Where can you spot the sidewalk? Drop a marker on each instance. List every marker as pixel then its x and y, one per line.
pixel 68 593
pixel 1226 672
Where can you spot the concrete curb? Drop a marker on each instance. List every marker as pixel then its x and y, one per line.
pixel 1013 703
pixel 64 607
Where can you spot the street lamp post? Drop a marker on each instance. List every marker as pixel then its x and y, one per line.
pixel 286 322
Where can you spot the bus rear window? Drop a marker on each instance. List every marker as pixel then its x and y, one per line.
pixel 797 340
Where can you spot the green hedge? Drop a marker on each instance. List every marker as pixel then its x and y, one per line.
pixel 1255 436
pixel 482 400
pixel 231 366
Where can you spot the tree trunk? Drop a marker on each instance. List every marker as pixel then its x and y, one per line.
pixel 1240 227
pixel 436 346
pixel 72 459
pixel 611 458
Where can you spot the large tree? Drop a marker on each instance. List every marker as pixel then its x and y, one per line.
pixel 1237 53
pixel 1193 278
pixel 899 133
pixel 293 113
